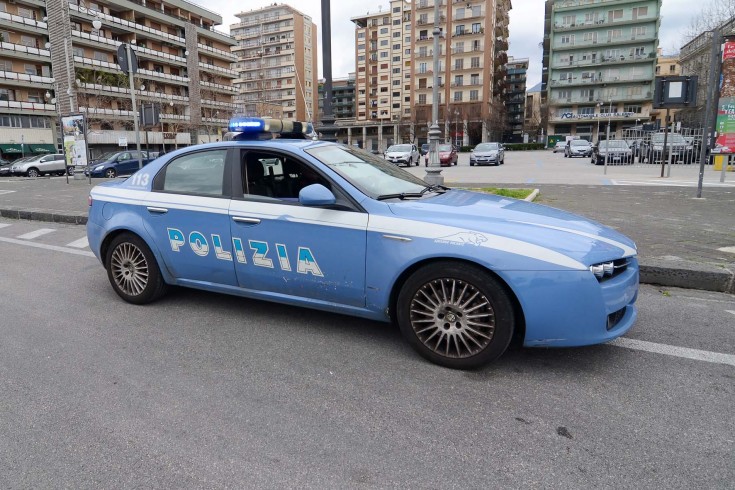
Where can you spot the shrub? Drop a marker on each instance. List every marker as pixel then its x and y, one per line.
pixel 523 146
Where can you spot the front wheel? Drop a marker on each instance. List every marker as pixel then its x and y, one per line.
pixel 33 172
pixel 133 271
pixel 455 315
pixel 110 173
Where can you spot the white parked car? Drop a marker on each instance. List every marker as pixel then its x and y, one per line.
pixel 40 165
pixel 405 154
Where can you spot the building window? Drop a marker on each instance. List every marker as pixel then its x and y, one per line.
pixel 639 31
pixel 397 34
pixel 27 13
pixel 568 20
pixel 100 56
pixel 396 46
pixel 634 108
pixel 474 94
pixel 458 64
pixel 672 69
pixel 422 98
pixel 475 62
pixel 567 39
pixel 458 80
pixel 6 65
pixel 615 14
pixel 459 30
pixel 384 30
pixel 586 110
pixel 396 59
pixel 7 94
pixel 460 14
pixel 28 41
pixel 640 12
pixel 35 96
pixel 475 79
pixel 476 28
pixel 384 54
pixel 384 42
pixel 614 34
pixel 458 96
pixel 30 69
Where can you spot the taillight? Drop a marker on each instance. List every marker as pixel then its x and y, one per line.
pixel 89 200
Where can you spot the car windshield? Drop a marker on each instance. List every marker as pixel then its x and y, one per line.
pixel 579 143
pixel 26 159
pixel 614 144
pixel 400 148
pixel 486 147
pixel 673 138
pixel 372 175
pixel 444 148
pixel 107 156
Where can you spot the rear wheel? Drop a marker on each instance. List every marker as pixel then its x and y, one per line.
pixel 456 315
pixel 133 271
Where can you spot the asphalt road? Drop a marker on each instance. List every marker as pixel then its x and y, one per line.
pixel 209 391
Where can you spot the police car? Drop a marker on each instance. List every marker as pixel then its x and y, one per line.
pixel 275 216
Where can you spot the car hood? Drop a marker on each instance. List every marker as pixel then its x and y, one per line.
pixel 492 219
pixel 580 148
pixel 398 153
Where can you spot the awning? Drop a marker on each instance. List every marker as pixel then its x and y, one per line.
pixel 11 149
pixel 41 148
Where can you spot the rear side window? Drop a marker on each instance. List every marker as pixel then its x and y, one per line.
pixel 196 173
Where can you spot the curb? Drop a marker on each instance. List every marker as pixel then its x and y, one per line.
pixel 668 273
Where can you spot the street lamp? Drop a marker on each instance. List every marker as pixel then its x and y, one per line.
pixel 599 113
pixel 609 122
pixel 456 127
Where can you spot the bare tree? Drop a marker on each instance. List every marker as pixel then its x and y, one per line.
pixel 713 14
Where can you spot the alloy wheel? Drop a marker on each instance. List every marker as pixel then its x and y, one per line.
pixel 129 268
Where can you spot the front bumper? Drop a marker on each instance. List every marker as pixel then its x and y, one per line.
pixel 485 160
pixel 399 160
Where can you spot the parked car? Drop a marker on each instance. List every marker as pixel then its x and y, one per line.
pixel 39 165
pixel 425 149
pixel 487 154
pixel 578 148
pixel 616 151
pixel 652 151
pixel 560 146
pixel 116 163
pixel 404 154
pixel 5 167
pixel 462 273
pixel 447 155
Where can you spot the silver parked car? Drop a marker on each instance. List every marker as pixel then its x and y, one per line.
pixel 487 154
pixel 578 148
pixel 405 154
pixel 40 165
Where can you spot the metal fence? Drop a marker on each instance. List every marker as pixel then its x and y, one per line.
pixel 683 145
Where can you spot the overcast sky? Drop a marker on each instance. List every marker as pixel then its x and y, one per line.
pixel 526 27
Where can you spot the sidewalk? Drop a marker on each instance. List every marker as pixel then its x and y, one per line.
pixel 678 236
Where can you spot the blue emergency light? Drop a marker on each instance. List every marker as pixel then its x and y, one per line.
pixel 260 128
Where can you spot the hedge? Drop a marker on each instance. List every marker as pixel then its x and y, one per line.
pixel 523 146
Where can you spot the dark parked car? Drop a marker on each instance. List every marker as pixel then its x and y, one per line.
pixel 616 151
pixel 116 163
pixel 5 167
pixel 447 155
pixel 578 148
pixel 425 149
pixel 652 151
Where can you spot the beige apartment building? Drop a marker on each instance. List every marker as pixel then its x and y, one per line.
pixel 53 61
pixel 394 53
pixel 276 63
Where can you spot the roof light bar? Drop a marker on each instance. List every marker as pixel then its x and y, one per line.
pixel 284 128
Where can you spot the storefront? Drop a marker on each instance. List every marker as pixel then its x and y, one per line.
pixel 12 151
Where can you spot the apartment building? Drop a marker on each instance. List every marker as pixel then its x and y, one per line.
pixel 599 64
pixel 276 63
pixel 532 122
pixel 56 62
pixel 666 65
pixel 343 98
pixel 394 53
pixel 515 99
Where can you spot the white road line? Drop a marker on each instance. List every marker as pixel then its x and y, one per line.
pixel 72 251
pixel 731 311
pixel 671 350
pixel 727 249
pixel 36 234
pixel 5 192
pixel 81 243
pixel 4 225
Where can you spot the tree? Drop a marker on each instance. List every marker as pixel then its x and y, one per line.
pixel 713 14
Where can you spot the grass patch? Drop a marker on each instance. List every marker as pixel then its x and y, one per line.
pixel 514 193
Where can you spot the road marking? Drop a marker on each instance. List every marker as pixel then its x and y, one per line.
pixel 5 192
pixel 4 225
pixel 72 251
pixel 727 249
pixel 671 183
pixel 36 234
pixel 671 350
pixel 731 311
pixel 530 181
pixel 81 243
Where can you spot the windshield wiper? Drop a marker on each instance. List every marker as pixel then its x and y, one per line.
pixel 435 188
pixel 401 196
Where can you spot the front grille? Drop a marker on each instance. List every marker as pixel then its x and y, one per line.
pixel 607 272
pixel 614 318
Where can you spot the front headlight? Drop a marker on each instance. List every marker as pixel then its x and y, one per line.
pixel 98 168
pixel 603 269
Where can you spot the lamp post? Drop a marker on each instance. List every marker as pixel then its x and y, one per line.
pixel 456 127
pixel 599 113
pixel 607 138
pixel 433 169
pixel 328 129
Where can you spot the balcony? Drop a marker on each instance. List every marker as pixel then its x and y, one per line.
pixel 603 43
pixel 14 106
pixel 477 32
pixel 219 87
pixel 218 69
pixel 645 96
pixel 25 52
pixel 127 25
pixel 16 22
pixel 123 92
pixel 141 51
pixel 640 58
pixel 225 55
pixel 600 81
pixel 25 80
pixel 565 5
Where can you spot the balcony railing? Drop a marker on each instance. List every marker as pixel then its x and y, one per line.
pixel 27 106
pixel 606 59
pixel 125 92
pixel 20 48
pixel 218 69
pixel 138 49
pixel 6 17
pixel 226 88
pixel 122 22
pixel 598 80
pixel 23 77
pixel 604 42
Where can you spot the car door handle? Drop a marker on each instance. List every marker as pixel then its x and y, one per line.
pixel 157 210
pixel 247 221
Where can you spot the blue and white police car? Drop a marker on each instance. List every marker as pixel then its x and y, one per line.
pixel 274 216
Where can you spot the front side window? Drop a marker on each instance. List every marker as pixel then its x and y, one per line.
pixel 278 176
pixel 196 173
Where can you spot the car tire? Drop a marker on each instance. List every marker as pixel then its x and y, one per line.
pixel 426 308
pixel 69 171
pixel 133 271
pixel 472 164
pixel 33 172
pixel 110 173
pixel 61 173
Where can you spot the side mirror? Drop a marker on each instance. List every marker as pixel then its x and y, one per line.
pixel 316 195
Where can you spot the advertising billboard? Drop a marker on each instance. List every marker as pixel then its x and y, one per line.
pixel 725 125
pixel 75 140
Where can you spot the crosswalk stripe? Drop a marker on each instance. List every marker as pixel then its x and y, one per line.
pixel 81 243
pixel 36 233
pixel 3 225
